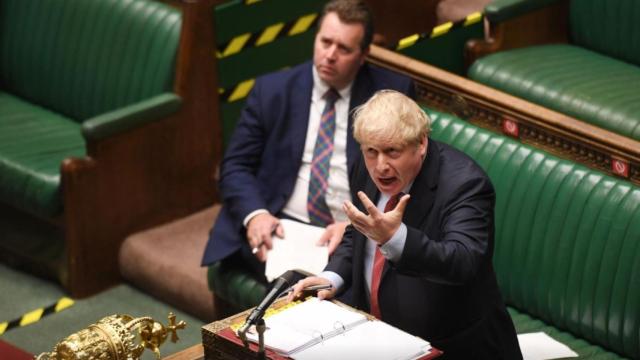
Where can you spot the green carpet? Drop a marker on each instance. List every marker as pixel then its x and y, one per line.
pixel 21 293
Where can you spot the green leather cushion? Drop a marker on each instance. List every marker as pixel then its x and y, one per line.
pixel 84 58
pixel 609 27
pixel 33 143
pixel 567 247
pixel 526 324
pixel 235 286
pixel 577 82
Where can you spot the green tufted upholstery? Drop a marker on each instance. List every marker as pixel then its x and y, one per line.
pixel 82 58
pixel 567 253
pixel 237 288
pixel 596 78
pixel 569 79
pixel 608 27
pixel 31 151
pixel 63 63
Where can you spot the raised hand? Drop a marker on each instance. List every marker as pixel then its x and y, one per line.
pixel 377 225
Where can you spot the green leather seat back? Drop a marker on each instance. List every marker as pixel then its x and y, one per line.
pixel 33 143
pixel 567 244
pixel 572 80
pixel 291 47
pixel 82 58
pixel 609 27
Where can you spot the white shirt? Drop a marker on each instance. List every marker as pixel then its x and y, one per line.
pixel 338 181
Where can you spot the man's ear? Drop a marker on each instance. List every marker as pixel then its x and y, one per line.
pixel 424 143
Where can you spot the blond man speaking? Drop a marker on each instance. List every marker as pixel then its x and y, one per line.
pixel 418 251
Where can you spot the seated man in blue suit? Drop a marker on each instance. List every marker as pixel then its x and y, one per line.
pixel 293 147
pixel 418 254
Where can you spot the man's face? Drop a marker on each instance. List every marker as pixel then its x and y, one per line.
pixel 392 166
pixel 337 55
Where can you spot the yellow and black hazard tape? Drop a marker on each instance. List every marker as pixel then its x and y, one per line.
pixel 237 92
pixel 439 30
pixel 35 315
pixel 267 35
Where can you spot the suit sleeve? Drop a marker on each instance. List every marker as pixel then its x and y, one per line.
pixel 238 183
pixel 466 238
pixel 341 262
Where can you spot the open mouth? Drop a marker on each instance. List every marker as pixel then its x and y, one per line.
pixel 386 181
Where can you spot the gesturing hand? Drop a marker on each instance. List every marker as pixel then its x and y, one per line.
pixel 377 226
pixel 259 231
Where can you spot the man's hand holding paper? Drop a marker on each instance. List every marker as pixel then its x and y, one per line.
pixel 298 248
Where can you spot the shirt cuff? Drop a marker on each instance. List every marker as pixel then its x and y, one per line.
pixel 392 249
pixel 335 279
pixel 252 215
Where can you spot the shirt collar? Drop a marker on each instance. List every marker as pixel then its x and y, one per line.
pixel 320 87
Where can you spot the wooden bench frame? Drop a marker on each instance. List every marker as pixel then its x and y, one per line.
pixel 147 175
pixel 530 123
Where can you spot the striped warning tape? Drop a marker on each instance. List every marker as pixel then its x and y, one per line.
pixel 439 30
pixel 237 92
pixel 267 35
pixel 35 315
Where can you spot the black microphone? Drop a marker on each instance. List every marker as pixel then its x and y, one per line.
pixel 281 284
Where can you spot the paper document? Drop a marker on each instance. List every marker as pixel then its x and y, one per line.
pixel 540 346
pixel 372 340
pixel 305 324
pixel 298 250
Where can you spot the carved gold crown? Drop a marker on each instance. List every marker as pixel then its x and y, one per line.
pixel 115 337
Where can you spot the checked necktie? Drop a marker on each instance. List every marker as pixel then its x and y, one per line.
pixel 378 263
pixel 319 213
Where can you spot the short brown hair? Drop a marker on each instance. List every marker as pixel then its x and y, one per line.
pixel 352 12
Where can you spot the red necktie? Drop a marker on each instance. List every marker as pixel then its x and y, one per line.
pixel 378 263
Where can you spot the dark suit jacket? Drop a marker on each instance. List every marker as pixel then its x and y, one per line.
pixel 261 163
pixel 443 288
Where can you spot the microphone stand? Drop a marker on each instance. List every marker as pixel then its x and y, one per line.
pixel 261 327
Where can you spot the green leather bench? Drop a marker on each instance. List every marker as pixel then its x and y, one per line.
pixel 595 77
pixel 566 254
pixel 94 140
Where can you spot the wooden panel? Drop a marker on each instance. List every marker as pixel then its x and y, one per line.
pixel 530 123
pixel 149 175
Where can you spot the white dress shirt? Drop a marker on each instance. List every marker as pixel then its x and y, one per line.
pixel 338 181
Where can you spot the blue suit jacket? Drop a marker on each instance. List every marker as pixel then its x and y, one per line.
pixel 443 288
pixel 264 154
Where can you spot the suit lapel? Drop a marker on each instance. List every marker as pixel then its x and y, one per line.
pixel 300 100
pixel 422 192
pixel 424 187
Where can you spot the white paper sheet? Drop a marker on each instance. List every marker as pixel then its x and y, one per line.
pixel 372 340
pixel 540 346
pixel 306 324
pixel 298 250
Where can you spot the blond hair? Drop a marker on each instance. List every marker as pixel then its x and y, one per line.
pixel 390 116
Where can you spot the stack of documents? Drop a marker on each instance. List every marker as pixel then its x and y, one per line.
pixel 318 329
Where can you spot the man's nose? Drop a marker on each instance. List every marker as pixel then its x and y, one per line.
pixel 332 53
pixel 382 163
